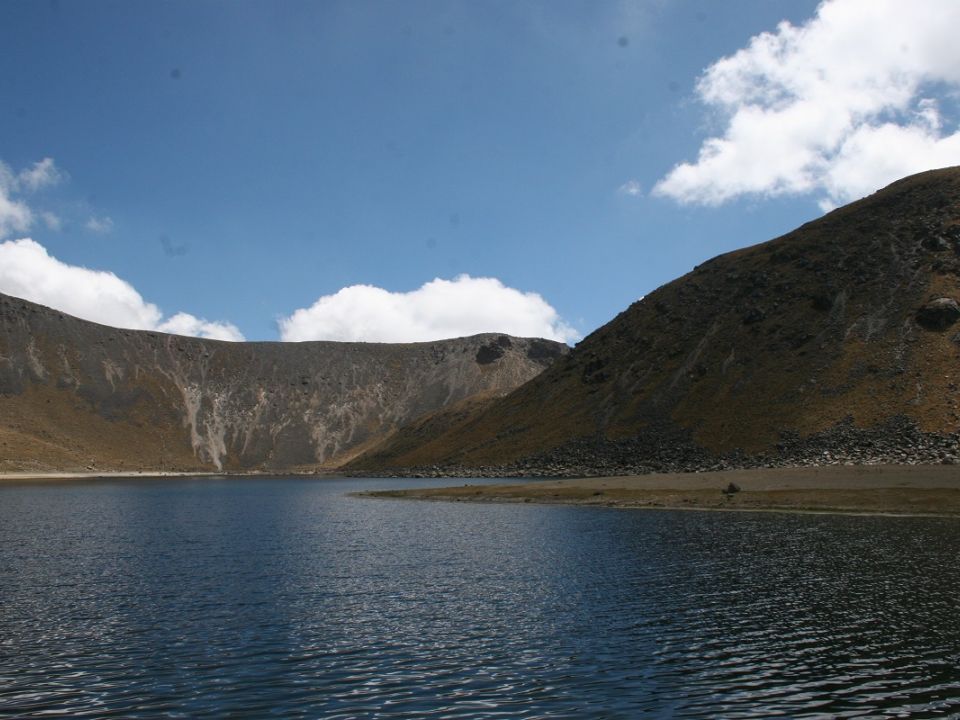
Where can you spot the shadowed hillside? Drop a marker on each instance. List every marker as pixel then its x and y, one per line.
pixel 839 338
pixel 77 395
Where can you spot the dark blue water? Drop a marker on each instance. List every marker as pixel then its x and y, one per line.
pixel 259 598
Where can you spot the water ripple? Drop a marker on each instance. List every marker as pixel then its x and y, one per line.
pixel 286 598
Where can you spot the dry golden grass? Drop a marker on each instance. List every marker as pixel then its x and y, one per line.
pixel 794 334
pixel 43 429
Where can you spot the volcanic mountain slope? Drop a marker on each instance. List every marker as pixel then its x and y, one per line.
pixel 846 323
pixel 77 395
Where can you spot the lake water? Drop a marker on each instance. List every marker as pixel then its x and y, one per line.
pixel 283 597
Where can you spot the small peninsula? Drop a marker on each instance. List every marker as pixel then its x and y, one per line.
pixel 928 490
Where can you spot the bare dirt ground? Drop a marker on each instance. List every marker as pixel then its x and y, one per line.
pixel 875 489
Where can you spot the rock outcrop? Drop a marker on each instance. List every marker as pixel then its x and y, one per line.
pixel 76 395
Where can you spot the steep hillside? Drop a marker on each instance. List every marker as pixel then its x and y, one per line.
pixel 74 394
pixel 844 328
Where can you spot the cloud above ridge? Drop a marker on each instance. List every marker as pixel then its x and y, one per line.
pixel 28 271
pixel 20 193
pixel 836 107
pixel 437 310
pixel 15 215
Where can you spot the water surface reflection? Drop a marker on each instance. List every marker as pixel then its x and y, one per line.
pixel 201 598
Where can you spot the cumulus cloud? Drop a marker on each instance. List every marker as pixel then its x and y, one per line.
pixel 437 310
pixel 14 216
pixel 631 188
pixel 28 271
pixel 836 107
pixel 186 324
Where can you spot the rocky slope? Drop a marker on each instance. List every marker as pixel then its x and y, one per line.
pixel 835 343
pixel 76 395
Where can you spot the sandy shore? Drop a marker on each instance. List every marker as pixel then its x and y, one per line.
pixel 880 489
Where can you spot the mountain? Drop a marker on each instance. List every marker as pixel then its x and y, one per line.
pixel 836 342
pixel 77 395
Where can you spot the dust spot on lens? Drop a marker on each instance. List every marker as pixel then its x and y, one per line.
pixel 170 249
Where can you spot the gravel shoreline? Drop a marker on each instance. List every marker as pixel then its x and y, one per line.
pixel 665 449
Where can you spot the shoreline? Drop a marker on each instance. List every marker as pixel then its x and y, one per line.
pixel 884 490
pixel 6 477
pixel 50 477
pixel 627 507
pixel 889 490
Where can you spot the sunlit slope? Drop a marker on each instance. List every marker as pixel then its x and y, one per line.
pixel 850 316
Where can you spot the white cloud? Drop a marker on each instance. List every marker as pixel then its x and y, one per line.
pixel 15 215
pixel 838 106
pixel 28 271
pixel 631 188
pixel 186 324
pixel 101 225
pixel 439 309
pixel 43 174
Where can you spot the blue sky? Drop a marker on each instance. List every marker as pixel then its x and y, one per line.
pixel 238 161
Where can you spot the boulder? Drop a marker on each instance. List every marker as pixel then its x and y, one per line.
pixel 938 314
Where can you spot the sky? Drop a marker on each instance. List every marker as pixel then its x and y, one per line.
pixel 407 171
